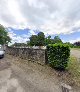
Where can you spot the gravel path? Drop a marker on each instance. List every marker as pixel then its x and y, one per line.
pixel 76 53
pixel 15 77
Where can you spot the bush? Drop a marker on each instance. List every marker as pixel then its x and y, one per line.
pixel 58 55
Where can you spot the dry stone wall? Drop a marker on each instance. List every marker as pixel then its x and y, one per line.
pixel 30 54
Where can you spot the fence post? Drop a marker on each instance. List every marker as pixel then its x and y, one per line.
pixel 66 88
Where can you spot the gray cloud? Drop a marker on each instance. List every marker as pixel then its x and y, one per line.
pixel 50 16
pixel 5 14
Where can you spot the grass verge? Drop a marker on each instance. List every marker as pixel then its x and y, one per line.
pixel 74 70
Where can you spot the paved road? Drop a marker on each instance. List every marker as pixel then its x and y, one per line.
pixel 16 79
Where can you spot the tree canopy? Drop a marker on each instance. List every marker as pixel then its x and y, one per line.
pixel 57 39
pixel 4 38
pixel 37 40
pixel 41 40
pixel 33 40
pixel 77 43
pixel 48 40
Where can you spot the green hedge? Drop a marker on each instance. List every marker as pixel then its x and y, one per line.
pixel 58 55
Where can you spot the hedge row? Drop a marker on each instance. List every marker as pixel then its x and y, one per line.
pixel 58 55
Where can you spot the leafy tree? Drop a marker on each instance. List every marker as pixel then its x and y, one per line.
pixel 37 40
pixel 41 39
pixel 57 39
pixel 33 40
pixel 77 43
pixel 48 40
pixel 4 38
pixel 69 44
pixel 28 43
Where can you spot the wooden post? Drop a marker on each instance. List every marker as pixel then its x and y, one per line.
pixel 66 88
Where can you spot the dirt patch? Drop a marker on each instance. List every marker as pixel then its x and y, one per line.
pixel 75 53
pixel 45 73
pixel 31 76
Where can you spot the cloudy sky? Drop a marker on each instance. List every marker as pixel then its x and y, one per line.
pixel 23 18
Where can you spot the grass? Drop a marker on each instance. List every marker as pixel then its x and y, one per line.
pixel 75 48
pixel 74 69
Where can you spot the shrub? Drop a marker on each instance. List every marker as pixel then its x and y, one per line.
pixel 58 55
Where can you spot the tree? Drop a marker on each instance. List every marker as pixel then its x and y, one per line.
pixel 57 39
pixel 41 39
pixel 37 40
pixel 48 40
pixel 4 38
pixel 69 44
pixel 28 43
pixel 33 40
pixel 77 43
pixel 19 45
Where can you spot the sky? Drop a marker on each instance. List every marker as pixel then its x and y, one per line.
pixel 23 18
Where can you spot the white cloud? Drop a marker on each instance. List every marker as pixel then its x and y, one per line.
pixel 16 38
pixel 50 16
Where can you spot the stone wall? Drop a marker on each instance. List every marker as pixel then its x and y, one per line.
pixel 30 54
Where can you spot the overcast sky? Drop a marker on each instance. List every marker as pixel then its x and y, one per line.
pixel 53 17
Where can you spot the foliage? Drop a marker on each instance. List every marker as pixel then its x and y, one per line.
pixel 57 39
pixel 41 39
pixel 37 40
pixel 48 40
pixel 69 44
pixel 77 44
pixel 4 38
pixel 28 43
pixel 58 55
pixel 19 45
pixel 33 40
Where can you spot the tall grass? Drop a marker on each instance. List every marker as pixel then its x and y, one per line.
pixel 74 69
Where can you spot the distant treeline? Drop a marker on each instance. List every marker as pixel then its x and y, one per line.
pixel 41 40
